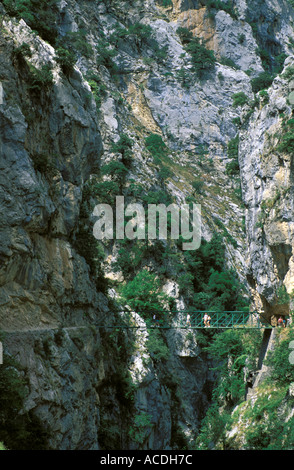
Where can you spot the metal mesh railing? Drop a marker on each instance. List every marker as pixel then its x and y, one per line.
pixel 191 319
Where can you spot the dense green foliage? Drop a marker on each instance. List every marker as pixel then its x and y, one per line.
pixel 156 146
pixel 140 428
pixel 40 15
pixel 144 295
pixel 157 346
pixel 269 424
pixel 269 430
pixel 206 281
pixel 66 59
pixel 231 350
pixel 264 80
pixel 165 3
pixel 227 6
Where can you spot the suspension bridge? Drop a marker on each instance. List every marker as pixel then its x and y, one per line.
pixel 172 320
pixel 192 319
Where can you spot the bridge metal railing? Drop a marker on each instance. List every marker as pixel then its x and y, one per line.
pixel 192 319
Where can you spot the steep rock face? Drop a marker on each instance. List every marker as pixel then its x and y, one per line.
pixel 44 281
pixel 39 212
pixel 267 175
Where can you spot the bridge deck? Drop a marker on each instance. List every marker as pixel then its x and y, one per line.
pixel 218 320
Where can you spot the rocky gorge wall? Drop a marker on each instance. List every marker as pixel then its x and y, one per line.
pixel 55 137
pixel 266 175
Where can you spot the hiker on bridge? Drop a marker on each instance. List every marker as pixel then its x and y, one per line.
pixel 206 320
pixel 188 320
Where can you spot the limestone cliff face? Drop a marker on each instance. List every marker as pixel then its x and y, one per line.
pixel 88 384
pixel 267 174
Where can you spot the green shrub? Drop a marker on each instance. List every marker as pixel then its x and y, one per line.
pixel 40 79
pixel 185 35
pixel 164 173
pixel 23 50
pixel 229 62
pixel 115 168
pixel 106 54
pixel 264 80
pixel 101 191
pixel 184 77
pixel 166 3
pixel 210 291
pixel 268 429
pixel 66 59
pixel 286 143
pixel 265 96
pixel 239 99
pixel 241 38
pixel 232 168
pixel 279 63
pixel 124 147
pixel 140 32
pixel 97 87
pixel 203 60
pixel 119 34
pixel 141 35
pixel 198 186
pixel 157 197
pixel 265 57
pixel 129 257
pixel 155 145
pixel 289 72
pixel 77 42
pixel 88 247
pixel 242 348
pixel 231 351
pixel 233 147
